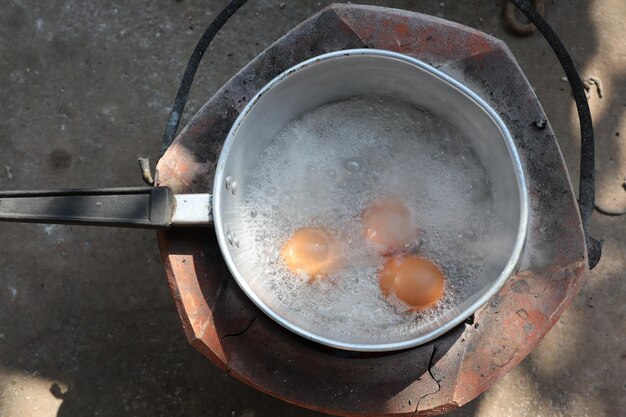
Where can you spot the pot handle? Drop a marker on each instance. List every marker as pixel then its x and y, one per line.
pixel 586 188
pixel 138 207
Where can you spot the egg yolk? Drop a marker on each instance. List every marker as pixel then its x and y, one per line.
pixel 312 250
pixel 414 280
pixel 388 224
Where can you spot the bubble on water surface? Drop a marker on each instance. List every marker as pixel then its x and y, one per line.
pixel 324 169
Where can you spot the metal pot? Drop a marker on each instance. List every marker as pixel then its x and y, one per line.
pixel 301 89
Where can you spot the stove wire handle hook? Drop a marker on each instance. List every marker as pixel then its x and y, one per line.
pixel 192 66
pixel 586 189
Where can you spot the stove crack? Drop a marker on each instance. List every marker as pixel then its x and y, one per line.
pixel 432 375
pixel 227 364
pixel 241 332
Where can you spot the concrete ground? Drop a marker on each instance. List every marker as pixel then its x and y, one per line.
pixel 87 324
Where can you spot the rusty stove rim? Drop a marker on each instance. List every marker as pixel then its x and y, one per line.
pixel 509 268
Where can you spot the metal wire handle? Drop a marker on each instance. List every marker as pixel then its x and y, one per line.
pixel 586 188
pixel 192 66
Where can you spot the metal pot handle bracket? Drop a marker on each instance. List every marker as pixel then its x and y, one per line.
pixel 157 207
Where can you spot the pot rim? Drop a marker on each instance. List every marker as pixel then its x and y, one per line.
pixel 512 262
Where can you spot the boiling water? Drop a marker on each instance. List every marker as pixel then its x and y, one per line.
pixel 325 168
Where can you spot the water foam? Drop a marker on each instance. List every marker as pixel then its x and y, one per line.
pixel 325 168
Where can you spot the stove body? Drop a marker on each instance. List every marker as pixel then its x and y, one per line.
pixel 223 324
